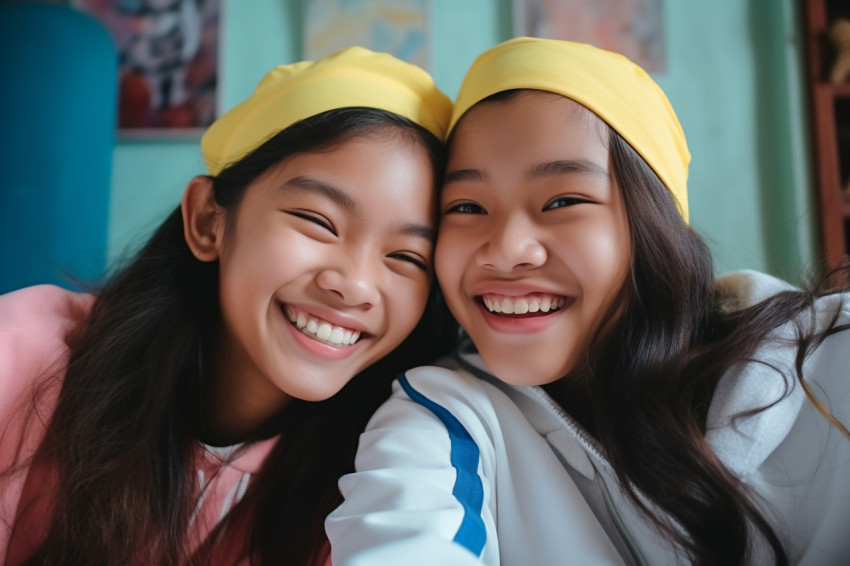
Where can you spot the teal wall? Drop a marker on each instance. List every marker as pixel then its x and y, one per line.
pixel 734 77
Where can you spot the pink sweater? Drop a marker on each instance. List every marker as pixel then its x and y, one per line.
pixel 34 325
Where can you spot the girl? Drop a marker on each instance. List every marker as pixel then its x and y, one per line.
pixel 619 406
pixel 198 409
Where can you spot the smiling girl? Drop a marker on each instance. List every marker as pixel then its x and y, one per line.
pixel 617 404
pixel 200 407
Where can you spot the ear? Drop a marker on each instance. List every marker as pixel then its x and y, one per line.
pixel 203 219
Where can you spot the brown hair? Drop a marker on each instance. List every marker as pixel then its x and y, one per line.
pixel 649 377
pixel 124 434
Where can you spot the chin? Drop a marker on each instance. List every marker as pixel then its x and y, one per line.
pixel 522 375
pixel 318 391
pixel 510 373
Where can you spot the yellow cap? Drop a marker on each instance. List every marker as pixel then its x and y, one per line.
pixel 609 84
pixel 350 77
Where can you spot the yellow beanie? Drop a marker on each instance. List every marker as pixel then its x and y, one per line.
pixel 351 77
pixel 609 84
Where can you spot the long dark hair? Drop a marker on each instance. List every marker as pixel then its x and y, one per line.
pixel 123 438
pixel 649 377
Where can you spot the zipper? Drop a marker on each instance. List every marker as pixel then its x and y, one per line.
pixel 592 445
pixel 588 442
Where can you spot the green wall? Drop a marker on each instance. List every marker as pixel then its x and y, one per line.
pixel 733 76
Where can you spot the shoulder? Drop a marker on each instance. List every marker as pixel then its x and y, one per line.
pixel 35 325
pixel 38 319
pixel 433 411
pixel 446 381
pixel 42 306
pixel 448 393
pixel 422 481
pixel 742 289
pixel 756 405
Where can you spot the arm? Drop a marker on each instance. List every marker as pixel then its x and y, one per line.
pixel 35 323
pixel 421 490
pixel 794 461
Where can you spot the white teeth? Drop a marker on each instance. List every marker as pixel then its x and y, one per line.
pixel 493 305
pixel 522 305
pixel 322 331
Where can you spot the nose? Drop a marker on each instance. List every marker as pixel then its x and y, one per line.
pixel 513 244
pixel 353 281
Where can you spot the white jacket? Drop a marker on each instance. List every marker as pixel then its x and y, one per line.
pixel 457 468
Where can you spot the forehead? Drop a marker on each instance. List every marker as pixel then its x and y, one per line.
pixel 380 170
pixel 537 125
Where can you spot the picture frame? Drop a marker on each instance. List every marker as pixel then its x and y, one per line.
pixel 397 27
pixel 169 52
pixel 634 28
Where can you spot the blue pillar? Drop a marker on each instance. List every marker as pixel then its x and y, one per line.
pixel 58 97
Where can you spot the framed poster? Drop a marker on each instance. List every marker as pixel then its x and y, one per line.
pixel 169 52
pixel 634 28
pixel 398 27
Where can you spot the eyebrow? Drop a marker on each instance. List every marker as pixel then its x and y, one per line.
pixel 419 231
pixel 332 193
pixel 566 166
pixel 343 200
pixel 460 175
pixel 546 169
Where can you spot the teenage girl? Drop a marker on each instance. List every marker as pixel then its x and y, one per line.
pixel 202 405
pixel 620 405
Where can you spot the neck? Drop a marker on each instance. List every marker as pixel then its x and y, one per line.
pixel 239 403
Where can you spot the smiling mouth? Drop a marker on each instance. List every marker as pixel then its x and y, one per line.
pixel 532 305
pixel 321 330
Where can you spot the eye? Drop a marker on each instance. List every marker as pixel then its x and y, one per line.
pixel 314 218
pixel 415 260
pixel 465 208
pixel 561 202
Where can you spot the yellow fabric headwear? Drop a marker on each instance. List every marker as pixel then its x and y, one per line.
pixel 350 77
pixel 607 83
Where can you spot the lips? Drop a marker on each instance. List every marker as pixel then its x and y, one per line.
pixel 321 330
pixel 533 304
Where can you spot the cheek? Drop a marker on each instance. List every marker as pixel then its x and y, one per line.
pixel 442 262
pixel 606 261
pixel 405 308
pixel 268 250
pixel 415 300
pixel 610 256
pixel 449 258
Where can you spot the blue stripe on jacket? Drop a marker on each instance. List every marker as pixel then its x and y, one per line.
pixel 468 489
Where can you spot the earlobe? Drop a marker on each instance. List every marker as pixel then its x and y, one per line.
pixel 202 219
